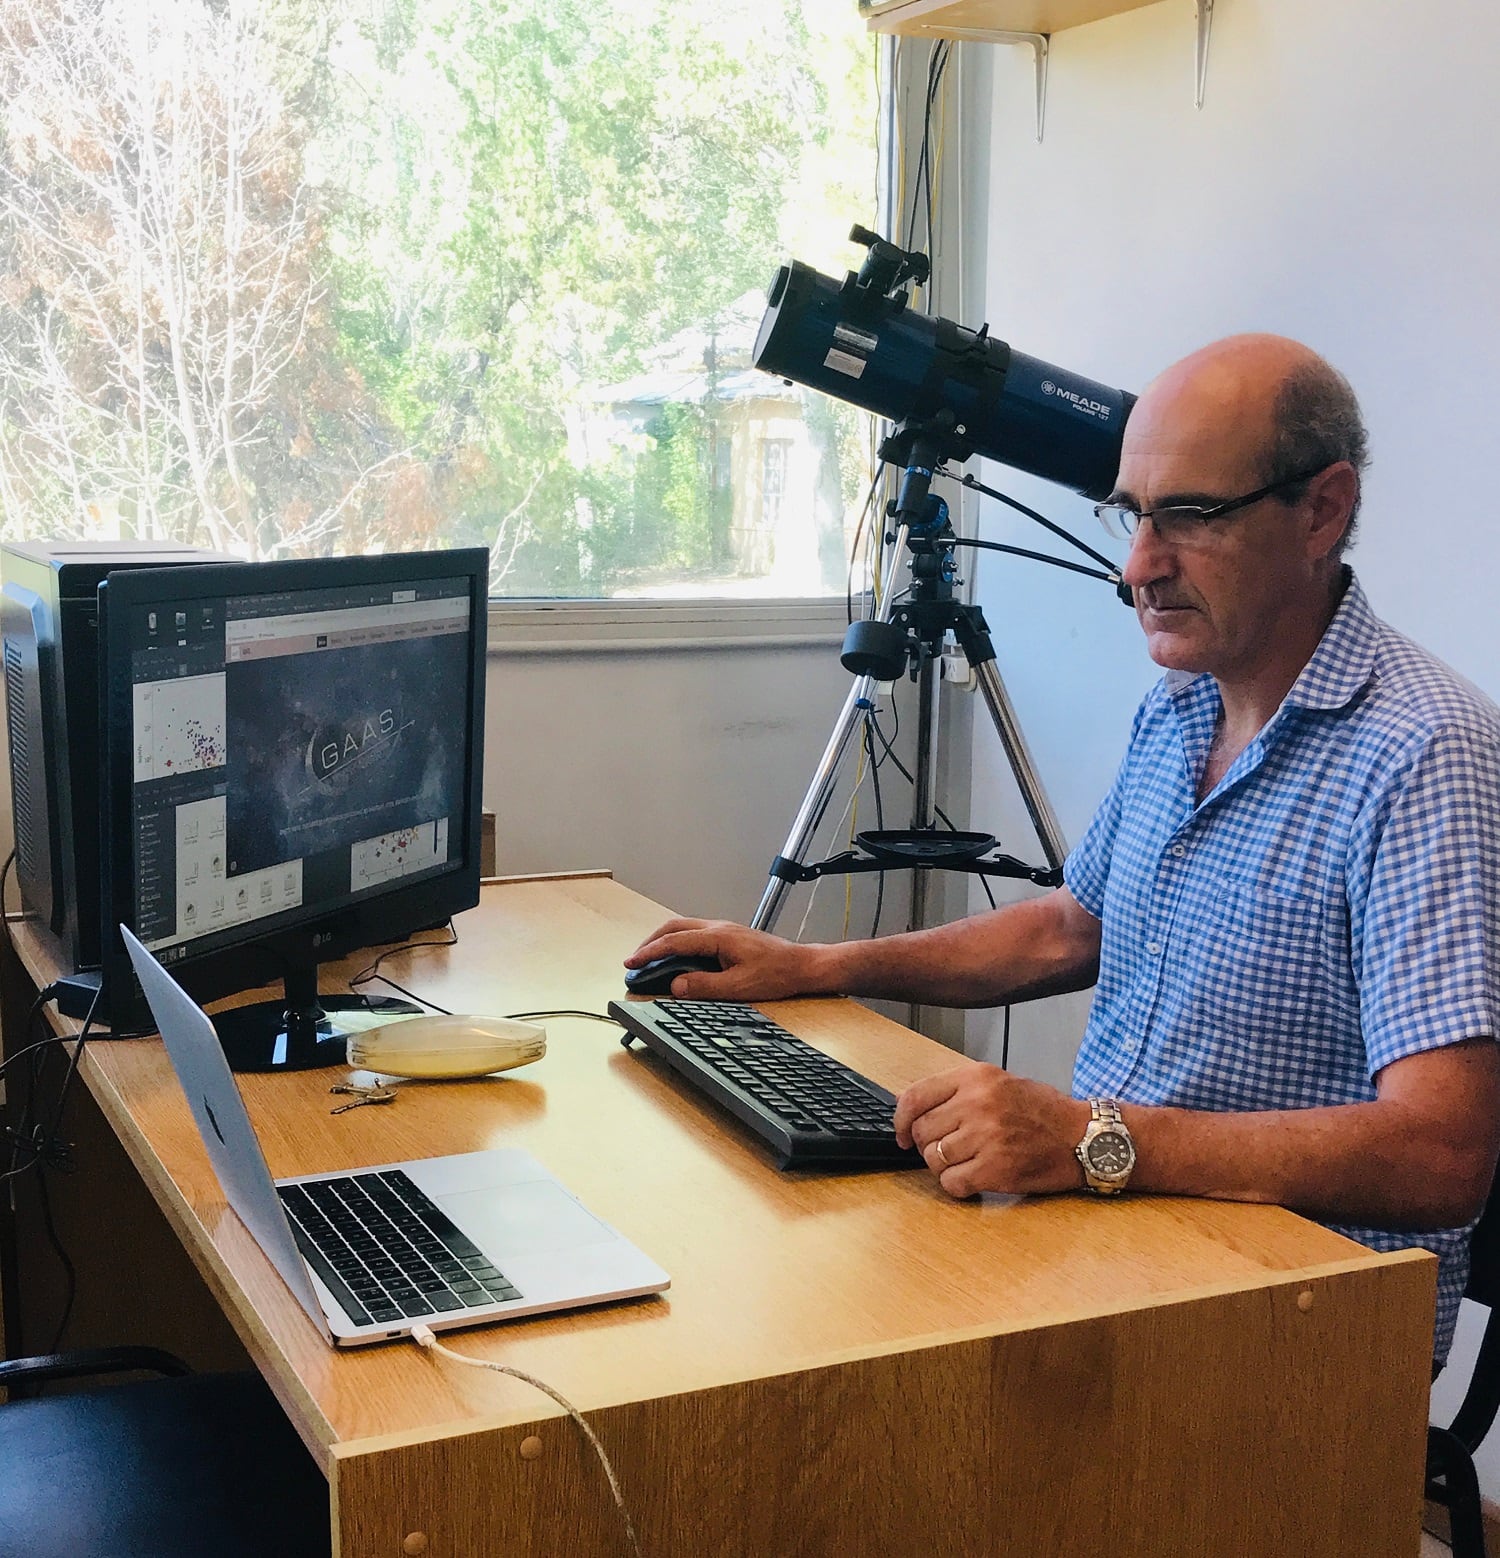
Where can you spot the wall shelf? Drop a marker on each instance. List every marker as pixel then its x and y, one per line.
pixel 933 18
pixel 1029 23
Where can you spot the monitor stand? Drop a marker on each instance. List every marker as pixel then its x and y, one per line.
pixel 299 1033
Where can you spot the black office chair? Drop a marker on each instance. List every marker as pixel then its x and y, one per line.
pixel 181 1466
pixel 1451 1479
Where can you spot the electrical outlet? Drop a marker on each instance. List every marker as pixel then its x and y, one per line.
pixel 958 671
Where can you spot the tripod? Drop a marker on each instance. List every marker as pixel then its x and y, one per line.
pixel 909 635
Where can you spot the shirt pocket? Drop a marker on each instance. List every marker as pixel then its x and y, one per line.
pixel 1268 962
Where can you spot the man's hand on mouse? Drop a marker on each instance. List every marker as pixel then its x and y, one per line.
pixel 754 966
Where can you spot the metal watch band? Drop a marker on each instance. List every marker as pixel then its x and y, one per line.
pixel 1104 1115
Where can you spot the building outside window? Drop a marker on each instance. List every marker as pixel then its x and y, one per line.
pixel 290 279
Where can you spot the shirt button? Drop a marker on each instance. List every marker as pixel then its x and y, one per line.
pixel 1179 850
pixel 1154 948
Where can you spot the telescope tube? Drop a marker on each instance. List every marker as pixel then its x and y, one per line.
pixel 858 345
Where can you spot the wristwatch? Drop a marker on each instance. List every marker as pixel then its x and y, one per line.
pixel 1106 1151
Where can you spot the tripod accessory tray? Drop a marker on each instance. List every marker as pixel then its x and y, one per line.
pixel 923 846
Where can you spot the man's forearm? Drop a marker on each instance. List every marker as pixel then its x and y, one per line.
pixel 1370 1164
pixel 1421 1155
pixel 1026 950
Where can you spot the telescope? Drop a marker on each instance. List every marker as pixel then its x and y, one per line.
pixel 859 341
pixel 951 393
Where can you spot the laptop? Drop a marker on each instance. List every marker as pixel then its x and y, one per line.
pixel 369 1253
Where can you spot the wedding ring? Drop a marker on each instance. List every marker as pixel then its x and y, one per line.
pixel 942 1156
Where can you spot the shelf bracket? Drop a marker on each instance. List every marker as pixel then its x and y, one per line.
pixel 1204 9
pixel 1038 42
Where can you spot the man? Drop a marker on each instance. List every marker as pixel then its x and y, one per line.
pixel 1290 897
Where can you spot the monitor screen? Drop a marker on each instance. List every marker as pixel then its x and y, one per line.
pixel 293 755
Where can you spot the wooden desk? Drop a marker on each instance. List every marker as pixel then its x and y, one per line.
pixel 843 1365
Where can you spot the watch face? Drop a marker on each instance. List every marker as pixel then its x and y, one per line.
pixel 1110 1153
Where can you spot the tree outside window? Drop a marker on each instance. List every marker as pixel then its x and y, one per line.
pixel 288 280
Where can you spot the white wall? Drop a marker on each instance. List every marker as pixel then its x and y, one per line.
pixel 679 760
pixel 1341 184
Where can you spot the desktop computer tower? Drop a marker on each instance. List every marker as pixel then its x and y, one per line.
pixel 49 621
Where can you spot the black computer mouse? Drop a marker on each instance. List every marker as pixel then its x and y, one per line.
pixel 655 977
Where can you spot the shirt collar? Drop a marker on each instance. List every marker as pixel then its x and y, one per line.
pixel 1340 667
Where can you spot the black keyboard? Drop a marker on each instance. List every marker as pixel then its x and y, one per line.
pixel 386 1251
pixel 804 1104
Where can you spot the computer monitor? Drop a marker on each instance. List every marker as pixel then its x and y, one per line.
pixel 293 772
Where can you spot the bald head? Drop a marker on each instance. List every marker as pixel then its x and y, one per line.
pixel 1263 408
pixel 1242 365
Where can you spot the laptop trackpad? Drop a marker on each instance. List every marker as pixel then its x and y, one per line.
pixel 533 1218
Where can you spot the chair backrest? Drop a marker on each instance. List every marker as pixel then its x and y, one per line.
pixel 1481 1403
pixel 1484 1254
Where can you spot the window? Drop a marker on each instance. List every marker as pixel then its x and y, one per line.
pixel 288 279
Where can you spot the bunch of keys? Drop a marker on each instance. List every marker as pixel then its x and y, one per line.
pixel 362 1095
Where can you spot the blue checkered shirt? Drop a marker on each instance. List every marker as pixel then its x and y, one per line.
pixel 1332 906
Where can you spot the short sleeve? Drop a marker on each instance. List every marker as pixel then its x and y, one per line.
pixel 1424 898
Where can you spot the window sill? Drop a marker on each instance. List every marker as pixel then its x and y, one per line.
pixel 527 627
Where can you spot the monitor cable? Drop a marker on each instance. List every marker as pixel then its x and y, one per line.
pixel 372 970
pixel 25 1136
pixel 41 1145
pixel 423 1337
pixel 5 870
pixel 540 1016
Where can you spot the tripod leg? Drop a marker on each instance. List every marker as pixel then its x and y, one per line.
pixel 974 637
pixel 856 705
pixel 1043 819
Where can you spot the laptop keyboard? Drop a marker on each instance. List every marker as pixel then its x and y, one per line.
pixel 386 1251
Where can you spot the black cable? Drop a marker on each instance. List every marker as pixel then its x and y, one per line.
pixel 369 973
pixel 534 1016
pixel 22 1133
pixel 1005 1041
pixel 70 1274
pixel 944 49
pixel 879 818
pixel 52 1038
pixel 1041 519
pixel 905 772
pixel 1038 557
pixel 937 62
pixel 44 1143
pixel 10 860
pixel 73 1063
pixel 411 995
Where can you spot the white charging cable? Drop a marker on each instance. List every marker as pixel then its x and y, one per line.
pixel 423 1337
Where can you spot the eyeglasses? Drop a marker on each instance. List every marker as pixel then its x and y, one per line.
pixel 1186 524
